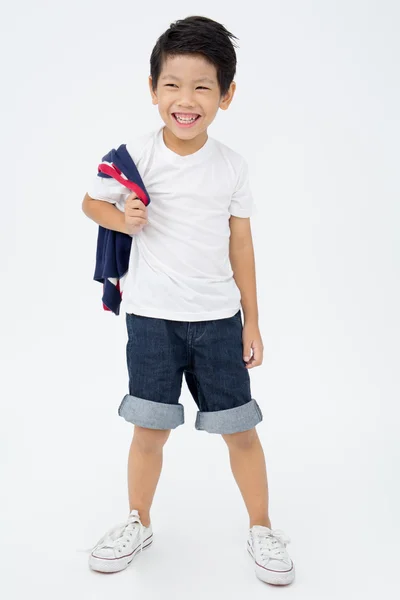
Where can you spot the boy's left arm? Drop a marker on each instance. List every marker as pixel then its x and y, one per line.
pixel 241 254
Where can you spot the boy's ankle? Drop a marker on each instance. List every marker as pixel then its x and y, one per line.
pixel 264 522
pixel 145 522
pixel 144 517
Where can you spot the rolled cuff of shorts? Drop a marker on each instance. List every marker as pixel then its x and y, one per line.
pixel 149 414
pixel 232 420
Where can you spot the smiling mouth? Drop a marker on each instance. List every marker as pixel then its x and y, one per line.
pixel 185 119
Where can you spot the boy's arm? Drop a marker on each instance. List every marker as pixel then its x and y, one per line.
pixel 108 216
pixel 241 254
pixel 104 214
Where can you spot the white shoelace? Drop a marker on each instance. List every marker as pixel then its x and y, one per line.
pixel 272 544
pixel 120 535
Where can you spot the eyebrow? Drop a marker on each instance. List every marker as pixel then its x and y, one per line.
pixel 200 80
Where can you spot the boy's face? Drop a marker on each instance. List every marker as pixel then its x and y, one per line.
pixel 188 95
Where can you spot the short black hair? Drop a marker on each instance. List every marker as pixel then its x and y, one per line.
pixel 197 35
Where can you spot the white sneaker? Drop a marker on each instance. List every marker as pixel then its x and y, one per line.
pixel 268 549
pixel 119 546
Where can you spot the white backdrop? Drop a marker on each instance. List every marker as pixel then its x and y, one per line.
pixel 317 117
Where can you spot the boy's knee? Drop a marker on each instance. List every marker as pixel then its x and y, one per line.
pixel 241 440
pixel 150 440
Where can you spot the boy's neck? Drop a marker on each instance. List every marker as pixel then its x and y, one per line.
pixel 183 147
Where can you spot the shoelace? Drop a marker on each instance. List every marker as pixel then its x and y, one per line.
pixel 273 544
pixel 115 537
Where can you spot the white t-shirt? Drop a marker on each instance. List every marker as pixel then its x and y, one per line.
pixel 179 266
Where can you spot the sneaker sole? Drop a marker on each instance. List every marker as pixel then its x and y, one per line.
pixel 114 565
pixel 272 577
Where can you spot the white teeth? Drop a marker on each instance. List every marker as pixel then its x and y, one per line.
pixel 185 120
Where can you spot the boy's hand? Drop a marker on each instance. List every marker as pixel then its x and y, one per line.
pixel 253 348
pixel 135 214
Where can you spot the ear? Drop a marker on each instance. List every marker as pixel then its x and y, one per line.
pixel 227 99
pixel 152 92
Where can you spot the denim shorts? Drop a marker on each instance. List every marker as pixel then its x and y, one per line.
pixel 210 356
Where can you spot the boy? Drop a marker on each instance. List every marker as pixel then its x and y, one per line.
pixel 191 270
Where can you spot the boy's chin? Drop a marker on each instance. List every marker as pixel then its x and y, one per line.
pixel 184 134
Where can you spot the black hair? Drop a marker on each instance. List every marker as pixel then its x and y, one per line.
pixel 197 35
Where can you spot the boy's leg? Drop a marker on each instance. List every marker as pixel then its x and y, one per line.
pixel 249 470
pixel 220 385
pixel 156 357
pixel 144 469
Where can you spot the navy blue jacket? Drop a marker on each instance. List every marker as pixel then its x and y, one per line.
pixel 113 247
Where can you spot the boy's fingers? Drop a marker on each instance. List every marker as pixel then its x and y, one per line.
pixel 140 214
pixel 131 219
pixel 135 203
pixel 246 351
pixel 256 359
pixel 253 363
pixel 136 210
pixel 256 356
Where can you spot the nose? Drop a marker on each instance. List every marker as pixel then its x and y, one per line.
pixel 186 99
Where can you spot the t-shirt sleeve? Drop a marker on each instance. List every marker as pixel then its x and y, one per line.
pixel 242 202
pixel 109 190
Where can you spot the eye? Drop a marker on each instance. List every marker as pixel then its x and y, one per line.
pixel 203 88
pixel 170 85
